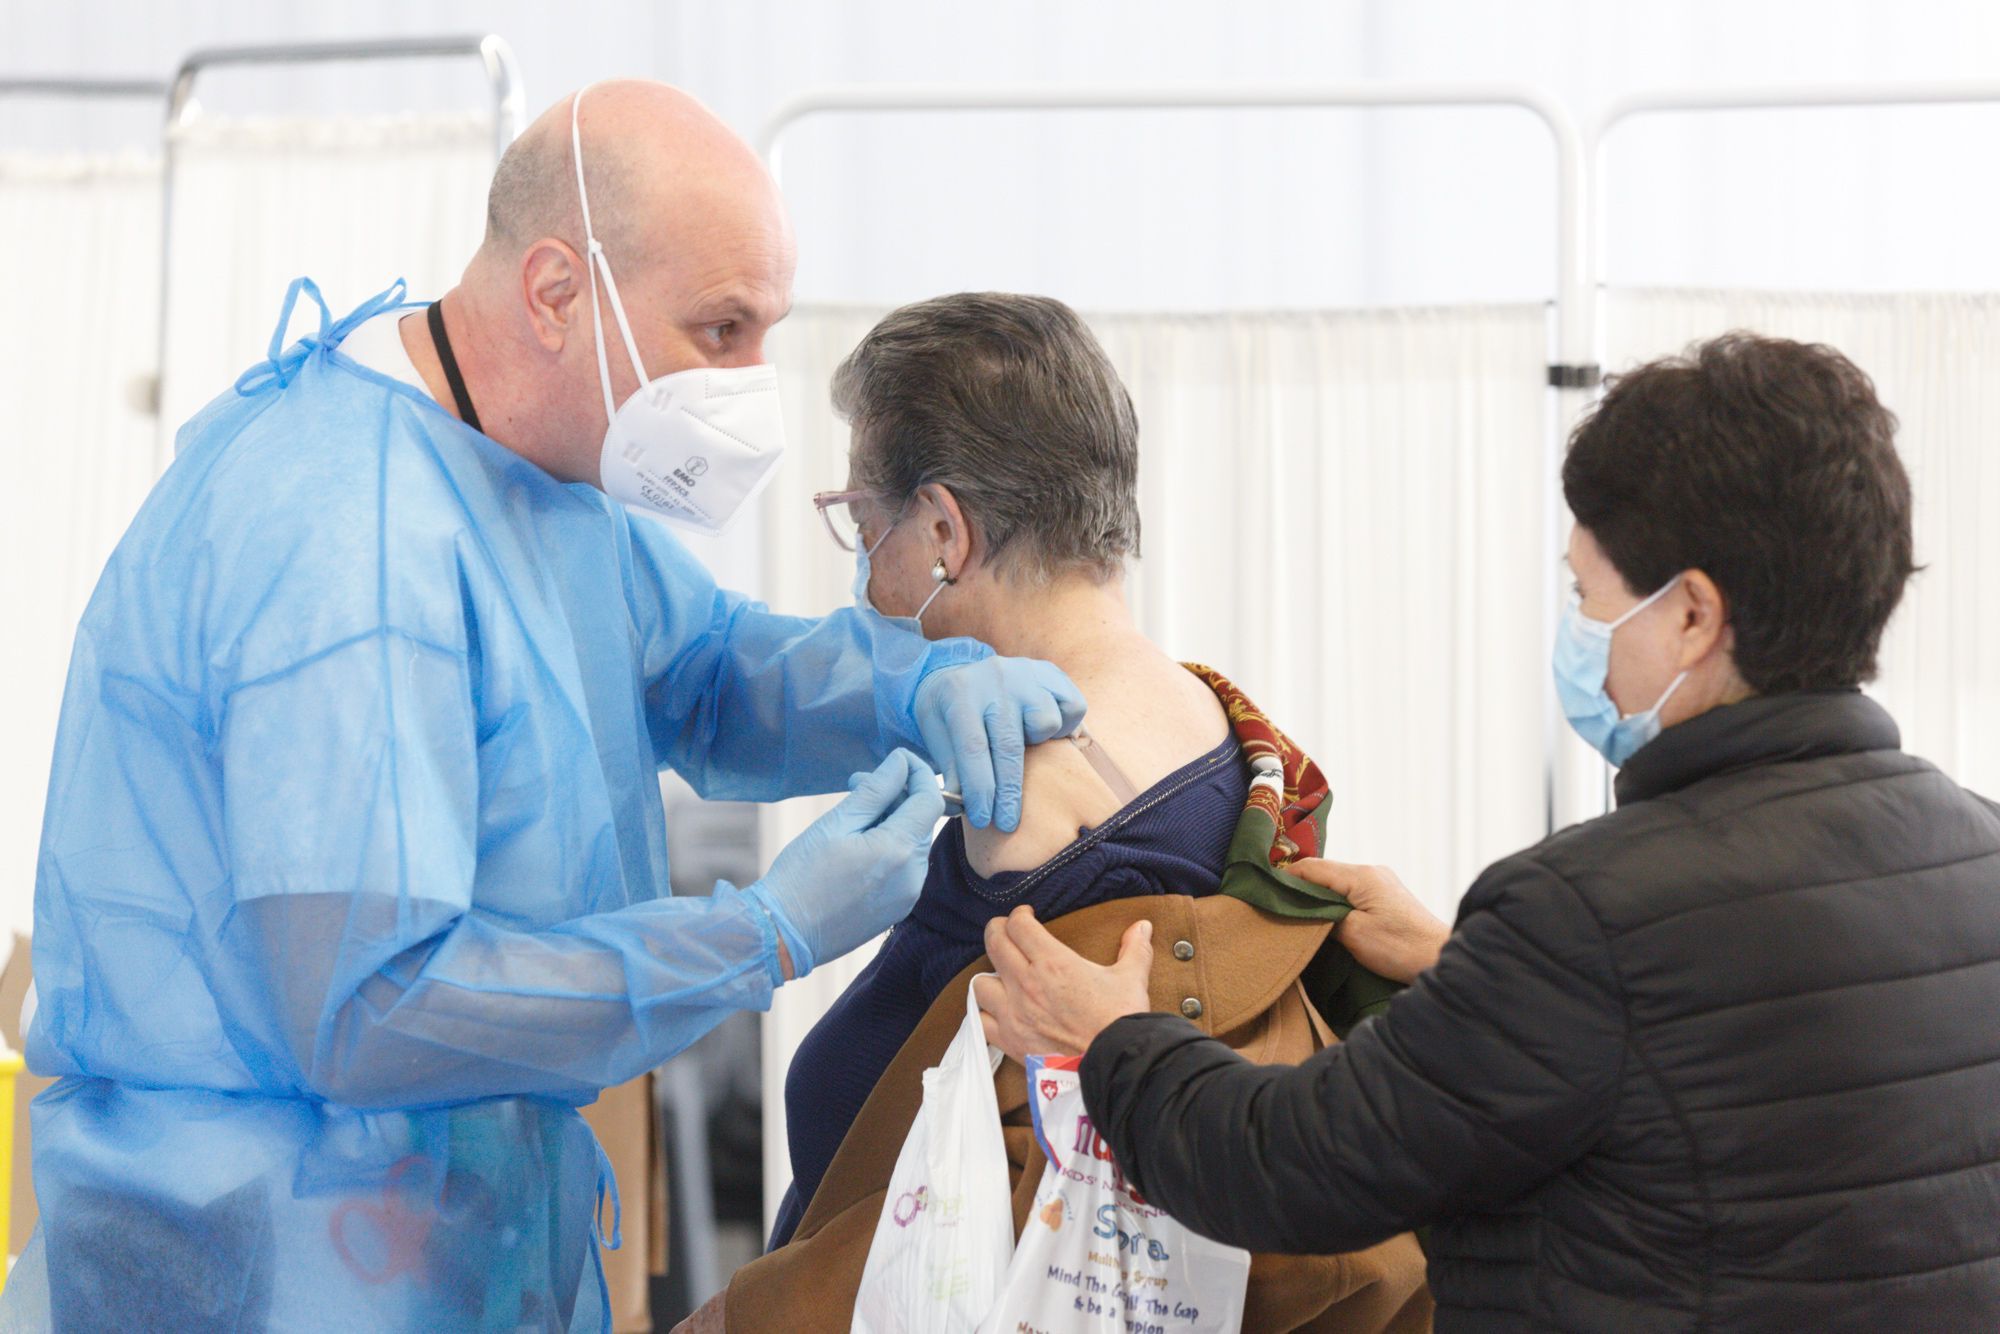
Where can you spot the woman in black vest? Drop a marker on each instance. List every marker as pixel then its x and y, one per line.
pixel 1725 1058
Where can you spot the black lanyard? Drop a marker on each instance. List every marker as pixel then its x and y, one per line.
pixel 466 414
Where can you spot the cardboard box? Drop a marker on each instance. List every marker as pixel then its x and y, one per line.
pixel 623 1120
pixel 626 1125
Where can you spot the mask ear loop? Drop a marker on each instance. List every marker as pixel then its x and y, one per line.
pixel 1659 703
pixel 1671 585
pixel 939 575
pixel 943 581
pixel 594 259
pixel 902 513
pixel 1680 680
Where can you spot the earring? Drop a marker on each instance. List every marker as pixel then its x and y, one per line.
pixel 939 578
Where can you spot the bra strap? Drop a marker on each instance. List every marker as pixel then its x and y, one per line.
pixel 1105 767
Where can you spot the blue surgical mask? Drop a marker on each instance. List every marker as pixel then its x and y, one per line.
pixel 862 552
pixel 1583 664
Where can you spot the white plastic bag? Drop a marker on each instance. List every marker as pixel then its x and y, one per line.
pixel 1094 1255
pixel 947 1226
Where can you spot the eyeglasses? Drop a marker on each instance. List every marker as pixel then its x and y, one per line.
pixel 836 510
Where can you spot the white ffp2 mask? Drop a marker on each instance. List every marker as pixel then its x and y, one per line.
pixel 693 447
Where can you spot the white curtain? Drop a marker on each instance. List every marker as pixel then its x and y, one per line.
pixel 1935 359
pixel 1343 512
pixel 76 356
pixel 353 203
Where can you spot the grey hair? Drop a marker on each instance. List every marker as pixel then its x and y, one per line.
pixel 533 193
pixel 1010 403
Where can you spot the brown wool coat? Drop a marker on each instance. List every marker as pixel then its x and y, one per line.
pixel 1243 969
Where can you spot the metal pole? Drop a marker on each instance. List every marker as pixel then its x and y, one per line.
pixel 503 76
pixel 1799 97
pixel 503 72
pixel 1575 313
pixel 142 89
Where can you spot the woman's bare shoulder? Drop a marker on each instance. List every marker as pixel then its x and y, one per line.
pixel 1150 722
pixel 1060 794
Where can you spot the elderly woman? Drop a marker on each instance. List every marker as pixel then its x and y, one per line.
pixel 1724 1059
pixel 994 467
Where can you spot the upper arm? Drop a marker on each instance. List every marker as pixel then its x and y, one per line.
pixel 353 771
pixel 672 597
pixel 348 801
pixel 1060 795
pixel 750 705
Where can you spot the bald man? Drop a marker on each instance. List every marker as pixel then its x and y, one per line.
pixel 354 878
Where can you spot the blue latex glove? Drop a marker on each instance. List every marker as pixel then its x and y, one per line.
pixel 856 870
pixel 977 721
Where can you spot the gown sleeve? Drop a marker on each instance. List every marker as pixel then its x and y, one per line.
pixel 350 812
pixel 748 705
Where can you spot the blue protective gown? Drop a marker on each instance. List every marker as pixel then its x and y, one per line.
pixel 353 883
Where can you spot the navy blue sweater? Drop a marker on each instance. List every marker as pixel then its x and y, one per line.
pixel 1171 839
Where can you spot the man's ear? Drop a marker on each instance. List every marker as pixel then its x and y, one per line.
pixel 553 281
pixel 1705 619
pixel 950 531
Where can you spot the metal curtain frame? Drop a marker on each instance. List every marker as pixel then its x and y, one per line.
pixel 137 89
pixel 1690 101
pixel 1574 374
pixel 503 72
pixel 503 76
pixel 1799 97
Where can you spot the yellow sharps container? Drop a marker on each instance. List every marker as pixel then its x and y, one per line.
pixel 11 1066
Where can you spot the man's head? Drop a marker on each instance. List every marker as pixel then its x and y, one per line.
pixel 1760 477
pixel 696 237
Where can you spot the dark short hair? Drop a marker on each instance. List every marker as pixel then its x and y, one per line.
pixel 1771 466
pixel 1010 403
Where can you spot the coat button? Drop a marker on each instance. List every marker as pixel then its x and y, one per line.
pixel 1183 950
pixel 1191 1007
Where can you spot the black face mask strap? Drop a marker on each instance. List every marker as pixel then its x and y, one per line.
pixel 435 317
